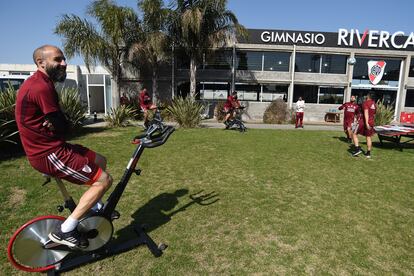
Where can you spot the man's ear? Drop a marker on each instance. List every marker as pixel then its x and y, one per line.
pixel 41 63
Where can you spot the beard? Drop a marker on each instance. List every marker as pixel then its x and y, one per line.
pixel 56 73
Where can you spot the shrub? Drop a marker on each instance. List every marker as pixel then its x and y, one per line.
pixel 118 117
pixel 219 111
pixel 8 131
pixel 72 106
pixel 7 103
pixel 8 126
pixel 291 117
pixel 165 113
pixel 132 102
pixel 384 114
pixel 277 113
pixel 186 112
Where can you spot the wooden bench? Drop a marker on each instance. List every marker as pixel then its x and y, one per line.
pixel 334 117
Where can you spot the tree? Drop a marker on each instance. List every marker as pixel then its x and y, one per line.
pixel 151 49
pixel 198 26
pixel 107 44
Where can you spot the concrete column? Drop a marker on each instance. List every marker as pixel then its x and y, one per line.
pixel 233 69
pixel 292 72
pixel 115 93
pixel 350 73
pixel 172 71
pixel 402 87
pixel 87 94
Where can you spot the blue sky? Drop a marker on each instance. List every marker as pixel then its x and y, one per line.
pixel 27 24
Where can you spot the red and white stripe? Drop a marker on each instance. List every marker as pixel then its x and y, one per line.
pixel 59 165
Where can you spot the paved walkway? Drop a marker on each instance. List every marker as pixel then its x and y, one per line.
pixel 211 123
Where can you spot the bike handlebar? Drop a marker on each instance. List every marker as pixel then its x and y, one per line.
pixel 156 140
pixel 161 139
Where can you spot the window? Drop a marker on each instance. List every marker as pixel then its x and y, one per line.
pixel 276 61
pixel 246 60
pixel 95 79
pixel 273 92
pixel 213 90
pixel 248 92
pixel 334 64
pixel 20 73
pixel 391 71
pixel 318 63
pixel 409 98
pixel 309 93
pixel 221 60
pixel 387 96
pixel 182 59
pixel 14 84
pixel 411 74
pixel 319 94
pixel 309 63
pixel 331 95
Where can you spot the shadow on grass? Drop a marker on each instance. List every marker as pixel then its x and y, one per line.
pixel 388 145
pixel 9 151
pixel 159 210
pixel 342 139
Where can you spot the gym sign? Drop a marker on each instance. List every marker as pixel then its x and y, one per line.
pixel 293 37
pixel 344 38
pixel 375 39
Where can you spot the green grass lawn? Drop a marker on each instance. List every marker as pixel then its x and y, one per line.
pixel 282 202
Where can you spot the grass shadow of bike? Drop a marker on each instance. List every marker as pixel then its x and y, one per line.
pixel 159 210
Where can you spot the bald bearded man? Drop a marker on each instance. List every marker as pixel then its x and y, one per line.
pixel 42 126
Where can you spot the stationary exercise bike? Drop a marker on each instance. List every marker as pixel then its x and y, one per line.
pixel 156 123
pixel 31 250
pixel 236 122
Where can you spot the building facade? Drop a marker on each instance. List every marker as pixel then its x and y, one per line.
pixel 324 68
pixel 94 85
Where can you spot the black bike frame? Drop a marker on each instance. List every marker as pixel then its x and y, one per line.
pixel 147 142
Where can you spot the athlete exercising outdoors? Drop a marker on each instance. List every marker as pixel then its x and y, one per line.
pixel 230 108
pixel 146 104
pixel 350 110
pixel 366 126
pixel 42 126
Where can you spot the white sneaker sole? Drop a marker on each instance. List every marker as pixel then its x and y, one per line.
pixel 64 242
pixel 357 153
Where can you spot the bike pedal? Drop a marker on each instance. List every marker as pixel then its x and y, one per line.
pixel 115 215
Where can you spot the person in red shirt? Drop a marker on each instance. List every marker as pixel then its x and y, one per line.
pixel 350 109
pixel 146 104
pixel 230 108
pixel 42 126
pixel 365 126
pixel 124 100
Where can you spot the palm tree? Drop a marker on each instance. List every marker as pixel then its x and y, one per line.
pixel 199 25
pixel 109 44
pixel 151 49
